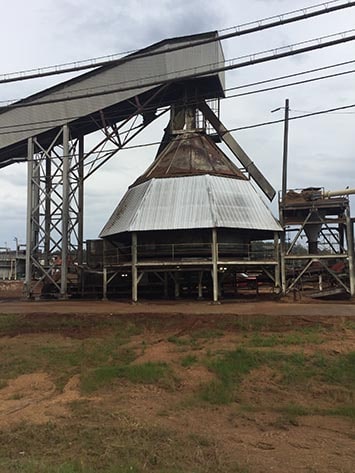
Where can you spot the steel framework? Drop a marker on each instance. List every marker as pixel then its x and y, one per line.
pixel 55 197
pixel 327 225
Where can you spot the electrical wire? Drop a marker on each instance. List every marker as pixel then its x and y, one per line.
pixel 243 86
pixel 9 128
pixel 253 59
pixel 242 128
pixel 246 28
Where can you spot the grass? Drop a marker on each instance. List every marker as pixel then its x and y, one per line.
pixel 188 361
pixel 65 323
pixel 296 338
pixel 296 369
pixel 196 338
pixel 229 369
pixel 107 442
pixel 100 436
pixel 65 357
pixel 145 373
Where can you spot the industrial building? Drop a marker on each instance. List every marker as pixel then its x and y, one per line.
pixel 193 222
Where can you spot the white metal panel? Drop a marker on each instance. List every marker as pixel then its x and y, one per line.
pixel 126 210
pixel 190 203
pixel 237 204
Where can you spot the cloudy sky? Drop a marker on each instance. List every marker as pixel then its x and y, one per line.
pixel 322 149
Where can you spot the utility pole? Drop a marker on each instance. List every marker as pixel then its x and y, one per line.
pixel 285 152
pixel 283 195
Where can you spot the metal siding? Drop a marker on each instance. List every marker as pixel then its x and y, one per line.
pixel 171 205
pixel 125 211
pixel 238 204
pixel 190 203
pixel 135 71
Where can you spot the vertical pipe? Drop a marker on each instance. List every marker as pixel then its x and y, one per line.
pixel 166 292
pixel 176 285
pixel 30 165
pixel 214 265
pixel 104 284
pixel 65 214
pixel 277 259
pixel 200 293
pixel 81 200
pixel 350 241
pixel 134 268
pixel 283 263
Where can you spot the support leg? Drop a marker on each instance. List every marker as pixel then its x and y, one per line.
pixel 30 165
pixel 65 215
pixel 214 265
pixel 134 268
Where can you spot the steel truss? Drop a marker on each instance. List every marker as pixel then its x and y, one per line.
pixel 333 240
pixel 54 211
pixel 55 197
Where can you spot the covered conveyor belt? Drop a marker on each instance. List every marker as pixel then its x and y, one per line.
pixel 110 94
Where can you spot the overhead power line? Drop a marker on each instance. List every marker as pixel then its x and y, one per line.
pixel 235 63
pixel 18 127
pixel 288 76
pixel 240 30
pixel 242 128
pixel 242 86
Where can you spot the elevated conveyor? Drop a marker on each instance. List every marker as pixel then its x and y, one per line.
pixel 110 94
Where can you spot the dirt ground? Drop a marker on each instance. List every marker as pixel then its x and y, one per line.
pixel 258 430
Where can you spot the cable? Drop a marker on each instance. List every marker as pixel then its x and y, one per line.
pixel 9 128
pixel 281 86
pixel 242 128
pixel 291 52
pixel 243 86
pixel 311 114
pixel 288 76
pixel 260 25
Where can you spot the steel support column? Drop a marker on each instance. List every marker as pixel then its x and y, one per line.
pixel 277 258
pixel 54 213
pixel 80 199
pixel 30 165
pixel 350 244
pixel 104 284
pixel 65 214
pixel 134 268
pixel 215 265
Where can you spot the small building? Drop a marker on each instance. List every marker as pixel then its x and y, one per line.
pixel 190 222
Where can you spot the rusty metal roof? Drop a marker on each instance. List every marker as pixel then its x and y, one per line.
pixel 191 154
pixel 191 203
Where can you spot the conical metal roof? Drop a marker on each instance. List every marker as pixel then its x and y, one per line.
pixel 192 184
pixel 193 202
pixel 191 154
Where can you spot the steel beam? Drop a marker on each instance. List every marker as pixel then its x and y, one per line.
pixel 134 268
pixel 65 215
pixel 350 244
pixel 215 265
pixel 30 165
pixel 237 150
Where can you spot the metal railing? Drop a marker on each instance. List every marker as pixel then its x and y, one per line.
pixel 180 252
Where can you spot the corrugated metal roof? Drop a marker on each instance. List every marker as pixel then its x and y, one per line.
pixel 191 153
pixel 190 203
pixel 131 71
